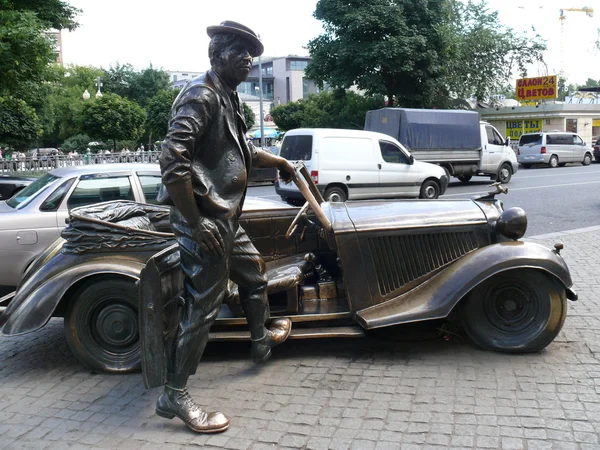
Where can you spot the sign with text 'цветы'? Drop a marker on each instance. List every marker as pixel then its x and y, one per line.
pixel 515 128
pixel 536 88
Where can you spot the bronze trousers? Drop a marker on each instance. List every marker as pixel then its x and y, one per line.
pixel 205 284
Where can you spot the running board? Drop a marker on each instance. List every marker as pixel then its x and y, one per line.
pixel 298 333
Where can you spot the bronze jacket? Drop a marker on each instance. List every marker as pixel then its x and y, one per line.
pixel 206 143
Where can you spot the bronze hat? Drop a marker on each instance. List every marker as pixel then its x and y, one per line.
pixel 231 27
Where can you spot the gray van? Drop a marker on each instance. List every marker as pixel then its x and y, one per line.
pixel 553 148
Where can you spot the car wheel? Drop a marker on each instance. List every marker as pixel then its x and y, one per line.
pixel 335 194
pixel 587 159
pixel 526 166
pixel 515 312
pixel 464 178
pixel 504 174
pixel 101 326
pixel 430 190
pixel 553 162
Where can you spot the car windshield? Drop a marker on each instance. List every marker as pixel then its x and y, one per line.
pixel 530 139
pixel 297 148
pixel 22 197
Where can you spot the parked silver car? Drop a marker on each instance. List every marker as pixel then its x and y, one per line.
pixel 34 217
pixel 553 148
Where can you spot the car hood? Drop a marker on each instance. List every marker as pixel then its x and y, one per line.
pixel 382 215
pixel 431 168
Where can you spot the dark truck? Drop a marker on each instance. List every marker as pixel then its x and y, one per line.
pixel 455 139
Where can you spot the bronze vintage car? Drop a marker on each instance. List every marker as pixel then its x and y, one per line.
pixel 341 270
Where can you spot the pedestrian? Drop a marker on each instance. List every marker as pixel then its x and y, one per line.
pixel 205 163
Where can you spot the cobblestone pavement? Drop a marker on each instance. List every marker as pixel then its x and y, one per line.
pixel 336 394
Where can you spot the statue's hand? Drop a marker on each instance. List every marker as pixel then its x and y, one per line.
pixel 286 170
pixel 206 233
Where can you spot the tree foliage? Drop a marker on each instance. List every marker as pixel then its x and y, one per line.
pixel 338 109
pixel 418 53
pixel 26 59
pixel 77 143
pixel 112 117
pixel 139 87
pixel 383 47
pixel 483 54
pixel 159 112
pixel 249 115
pixel 18 123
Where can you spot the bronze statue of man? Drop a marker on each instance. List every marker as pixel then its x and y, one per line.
pixel 205 164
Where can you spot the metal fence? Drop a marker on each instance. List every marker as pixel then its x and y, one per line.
pixel 35 166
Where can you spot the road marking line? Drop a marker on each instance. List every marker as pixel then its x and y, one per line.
pixel 554 175
pixel 525 188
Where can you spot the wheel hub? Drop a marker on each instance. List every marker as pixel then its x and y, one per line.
pixel 511 308
pixel 429 192
pixel 334 197
pixel 116 326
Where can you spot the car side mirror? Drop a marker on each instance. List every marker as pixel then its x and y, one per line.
pixel 411 160
pixel 507 141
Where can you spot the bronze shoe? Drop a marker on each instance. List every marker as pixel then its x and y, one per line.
pixel 177 402
pixel 278 331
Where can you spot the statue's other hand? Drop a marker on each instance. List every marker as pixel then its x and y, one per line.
pixel 206 233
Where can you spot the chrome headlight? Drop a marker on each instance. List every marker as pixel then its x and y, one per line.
pixel 512 223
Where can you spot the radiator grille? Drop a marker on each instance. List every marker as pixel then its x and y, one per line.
pixel 402 259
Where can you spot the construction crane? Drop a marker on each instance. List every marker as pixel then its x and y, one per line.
pixel 588 11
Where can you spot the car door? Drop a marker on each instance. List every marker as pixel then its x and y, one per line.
pixel 579 148
pixel 493 150
pixel 397 176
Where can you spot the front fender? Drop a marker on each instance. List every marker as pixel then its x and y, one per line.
pixel 435 298
pixel 36 300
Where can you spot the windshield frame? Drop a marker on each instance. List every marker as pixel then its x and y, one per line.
pixel 30 192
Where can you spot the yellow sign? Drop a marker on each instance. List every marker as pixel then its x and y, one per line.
pixel 596 122
pixel 515 128
pixel 536 88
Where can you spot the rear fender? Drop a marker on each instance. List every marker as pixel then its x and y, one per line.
pixel 31 309
pixel 436 298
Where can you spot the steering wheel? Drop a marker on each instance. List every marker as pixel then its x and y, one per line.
pixel 304 182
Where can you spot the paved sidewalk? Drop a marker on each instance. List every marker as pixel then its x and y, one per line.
pixel 335 394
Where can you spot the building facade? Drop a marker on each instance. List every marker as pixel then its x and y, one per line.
pixel 583 119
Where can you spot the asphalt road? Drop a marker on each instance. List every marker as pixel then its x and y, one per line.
pixel 555 200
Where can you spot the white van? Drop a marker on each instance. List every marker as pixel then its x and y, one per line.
pixel 356 164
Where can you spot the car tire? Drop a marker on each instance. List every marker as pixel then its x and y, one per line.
pixel 101 326
pixel 464 178
pixel 335 194
pixel 504 173
pixel 526 166
pixel 430 190
pixel 587 159
pixel 553 162
pixel 518 311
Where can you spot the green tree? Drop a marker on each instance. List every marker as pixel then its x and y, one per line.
pixel 338 109
pixel 26 60
pixel 77 143
pixel 249 115
pixel 18 123
pixel 383 47
pixel 140 86
pixel 483 55
pixel 159 112
pixel 288 116
pixel 112 117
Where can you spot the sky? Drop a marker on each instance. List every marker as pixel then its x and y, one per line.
pixel 172 35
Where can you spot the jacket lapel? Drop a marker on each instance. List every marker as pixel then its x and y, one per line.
pixel 229 112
